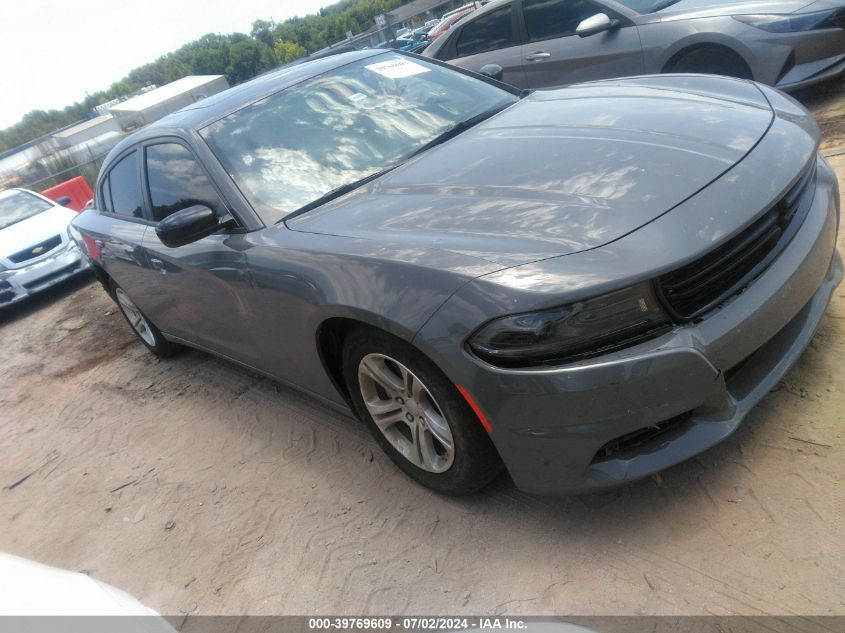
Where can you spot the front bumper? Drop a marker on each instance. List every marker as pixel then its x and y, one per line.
pixel 590 425
pixel 790 61
pixel 18 283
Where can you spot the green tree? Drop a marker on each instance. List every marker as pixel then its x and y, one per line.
pixel 247 59
pixel 288 51
pixel 238 56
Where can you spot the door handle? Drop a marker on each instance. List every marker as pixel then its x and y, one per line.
pixel 533 57
pixel 158 265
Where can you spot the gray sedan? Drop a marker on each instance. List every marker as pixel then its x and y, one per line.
pixel 550 43
pixel 583 286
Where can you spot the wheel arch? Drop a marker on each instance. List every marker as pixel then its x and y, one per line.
pixel 701 41
pixel 331 334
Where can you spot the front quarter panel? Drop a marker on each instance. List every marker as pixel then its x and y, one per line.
pixel 304 279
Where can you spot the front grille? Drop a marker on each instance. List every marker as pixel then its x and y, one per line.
pixel 37 250
pixel 52 276
pixel 709 281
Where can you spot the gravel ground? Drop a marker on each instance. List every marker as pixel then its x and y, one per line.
pixel 201 488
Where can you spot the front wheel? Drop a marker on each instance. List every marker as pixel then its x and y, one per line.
pixel 417 415
pixel 144 329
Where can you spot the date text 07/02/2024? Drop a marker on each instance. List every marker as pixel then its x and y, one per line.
pixel 415 624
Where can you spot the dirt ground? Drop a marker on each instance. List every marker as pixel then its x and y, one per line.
pixel 201 488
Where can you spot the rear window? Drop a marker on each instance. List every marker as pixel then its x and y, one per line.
pixel 488 32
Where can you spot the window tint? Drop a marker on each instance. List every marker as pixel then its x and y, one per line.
pixel 177 181
pixel 545 19
pixel 123 185
pixel 487 33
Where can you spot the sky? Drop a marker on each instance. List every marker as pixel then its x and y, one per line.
pixel 53 52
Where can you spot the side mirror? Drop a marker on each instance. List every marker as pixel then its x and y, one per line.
pixel 596 24
pixel 188 225
pixel 494 71
pixel 64 201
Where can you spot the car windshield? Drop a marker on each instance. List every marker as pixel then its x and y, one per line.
pixel 290 149
pixel 647 6
pixel 19 205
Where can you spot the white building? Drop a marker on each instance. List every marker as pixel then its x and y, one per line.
pixel 155 104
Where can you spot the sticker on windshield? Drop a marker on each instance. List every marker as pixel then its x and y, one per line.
pixel 397 68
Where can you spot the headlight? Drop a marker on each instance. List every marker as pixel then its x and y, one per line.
pixel 577 330
pixel 791 23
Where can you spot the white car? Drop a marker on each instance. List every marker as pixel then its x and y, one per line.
pixel 36 247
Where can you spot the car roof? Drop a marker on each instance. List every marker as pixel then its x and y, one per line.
pixel 202 113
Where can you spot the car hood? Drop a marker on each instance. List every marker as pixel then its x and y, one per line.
pixel 686 9
pixel 560 171
pixel 33 230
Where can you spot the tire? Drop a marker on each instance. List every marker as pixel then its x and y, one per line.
pixel 712 60
pixel 417 429
pixel 144 329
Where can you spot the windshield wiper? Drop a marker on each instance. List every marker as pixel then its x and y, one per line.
pixel 460 126
pixel 339 191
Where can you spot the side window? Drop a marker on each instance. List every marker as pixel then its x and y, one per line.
pixel 489 32
pixel 123 187
pixel 545 19
pixel 104 199
pixel 177 181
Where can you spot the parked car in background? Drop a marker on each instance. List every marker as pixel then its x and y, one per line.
pixel 587 285
pixel 36 248
pixel 548 43
pixel 404 44
pixel 446 23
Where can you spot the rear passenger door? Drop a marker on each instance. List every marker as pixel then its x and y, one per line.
pixel 491 38
pixel 554 55
pixel 199 292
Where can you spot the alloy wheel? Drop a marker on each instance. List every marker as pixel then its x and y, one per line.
pixel 406 413
pixel 135 318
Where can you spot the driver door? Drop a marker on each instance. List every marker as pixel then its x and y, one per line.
pixel 554 55
pixel 199 291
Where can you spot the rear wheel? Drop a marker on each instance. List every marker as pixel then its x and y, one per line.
pixel 417 415
pixel 144 329
pixel 713 60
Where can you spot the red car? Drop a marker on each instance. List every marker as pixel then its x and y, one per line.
pixel 445 24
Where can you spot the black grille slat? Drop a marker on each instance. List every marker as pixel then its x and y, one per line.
pixel 720 256
pixel 725 271
pixel 36 250
pixel 747 255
